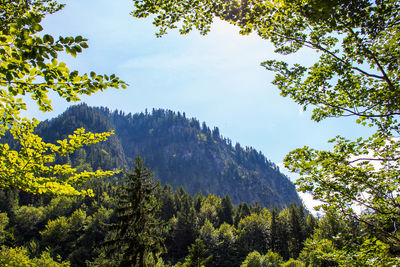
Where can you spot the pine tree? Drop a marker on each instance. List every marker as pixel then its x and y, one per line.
pixel 197 255
pixel 135 237
pixel 243 210
pixel 274 238
pixel 296 229
pixel 225 213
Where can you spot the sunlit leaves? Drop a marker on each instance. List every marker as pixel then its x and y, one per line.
pixel 20 257
pixel 359 179
pixel 29 67
pixel 30 168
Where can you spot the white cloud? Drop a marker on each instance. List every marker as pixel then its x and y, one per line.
pixel 307 198
pixel 301 110
pixel 310 203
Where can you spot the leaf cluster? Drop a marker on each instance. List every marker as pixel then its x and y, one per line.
pixel 29 66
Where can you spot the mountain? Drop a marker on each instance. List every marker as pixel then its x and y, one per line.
pixel 180 151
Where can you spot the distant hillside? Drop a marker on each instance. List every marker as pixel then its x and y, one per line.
pixel 180 151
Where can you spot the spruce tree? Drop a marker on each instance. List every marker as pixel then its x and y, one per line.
pixel 225 212
pixel 198 255
pixel 135 238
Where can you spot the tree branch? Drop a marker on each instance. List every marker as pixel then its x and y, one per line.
pixel 362 114
pixel 372 56
pixel 319 47
pixel 373 159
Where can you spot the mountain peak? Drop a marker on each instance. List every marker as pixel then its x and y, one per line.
pixel 180 151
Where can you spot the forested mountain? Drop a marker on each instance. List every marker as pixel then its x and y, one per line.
pixel 181 151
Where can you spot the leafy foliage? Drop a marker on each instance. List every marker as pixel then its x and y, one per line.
pixel 255 259
pixel 29 66
pixel 18 257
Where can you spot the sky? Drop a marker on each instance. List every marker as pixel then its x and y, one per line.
pixel 215 78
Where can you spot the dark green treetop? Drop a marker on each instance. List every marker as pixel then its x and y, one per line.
pixel 136 236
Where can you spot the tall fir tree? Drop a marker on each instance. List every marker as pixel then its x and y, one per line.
pixel 135 239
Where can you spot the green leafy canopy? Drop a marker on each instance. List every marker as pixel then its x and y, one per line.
pixel 29 66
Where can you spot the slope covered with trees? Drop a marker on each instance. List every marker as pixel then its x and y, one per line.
pixel 138 223
pixel 166 227
pixel 181 152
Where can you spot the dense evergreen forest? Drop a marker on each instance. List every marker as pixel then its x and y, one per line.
pixel 76 229
pixel 181 151
pixel 136 220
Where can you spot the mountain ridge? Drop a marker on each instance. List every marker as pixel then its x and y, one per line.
pixel 180 151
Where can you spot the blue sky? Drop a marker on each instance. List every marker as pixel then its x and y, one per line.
pixel 216 78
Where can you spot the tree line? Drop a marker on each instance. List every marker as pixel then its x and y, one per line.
pixel 137 222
